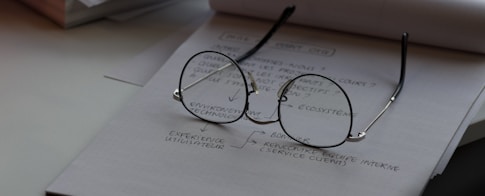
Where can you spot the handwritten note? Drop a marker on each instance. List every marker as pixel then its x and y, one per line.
pixel 156 147
pixel 271 143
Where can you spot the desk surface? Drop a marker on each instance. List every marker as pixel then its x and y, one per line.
pixel 54 98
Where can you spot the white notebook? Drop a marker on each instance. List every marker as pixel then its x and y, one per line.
pixel 155 147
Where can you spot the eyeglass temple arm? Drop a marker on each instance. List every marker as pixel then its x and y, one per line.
pixel 176 93
pixel 404 46
pixel 283 18
pixel 404 53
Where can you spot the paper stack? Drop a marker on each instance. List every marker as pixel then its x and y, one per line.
pixel 156 147
pixel 69 13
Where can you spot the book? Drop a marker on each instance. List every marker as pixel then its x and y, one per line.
pixel 156 147
pixel 448 24
pixel 70 13
pixel 431 15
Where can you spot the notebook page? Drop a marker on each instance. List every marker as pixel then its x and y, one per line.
pixel 449 24
pixel 156 147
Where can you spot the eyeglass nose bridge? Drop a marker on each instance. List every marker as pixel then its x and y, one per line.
pixel 256 121
pixel 256 91
pixel 254 86
pixel 284 89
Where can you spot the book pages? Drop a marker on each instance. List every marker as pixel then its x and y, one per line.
pixel 154 146
pixel 450 24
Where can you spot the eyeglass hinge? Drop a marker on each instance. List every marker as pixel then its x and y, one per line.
pixel 176 94
pixel 359 137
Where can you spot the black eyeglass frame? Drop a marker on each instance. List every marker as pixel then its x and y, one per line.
pixel 178 95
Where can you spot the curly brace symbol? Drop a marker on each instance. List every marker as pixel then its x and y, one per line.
pixel 249 139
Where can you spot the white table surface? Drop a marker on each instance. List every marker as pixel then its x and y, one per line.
pixel 53 96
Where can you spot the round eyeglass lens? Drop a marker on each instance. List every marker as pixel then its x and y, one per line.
pixel 315 110
pixel 213 88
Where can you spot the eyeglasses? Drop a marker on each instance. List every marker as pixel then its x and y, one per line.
pixel 312 109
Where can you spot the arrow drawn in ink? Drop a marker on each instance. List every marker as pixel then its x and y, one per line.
pixel 205 127
pixel 249 139
pixel 231 99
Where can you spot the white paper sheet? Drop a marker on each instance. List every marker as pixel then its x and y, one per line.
pixel 475 131
pixel 156 147
pixel 441 166
pixel 142 67
pixel 449 24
